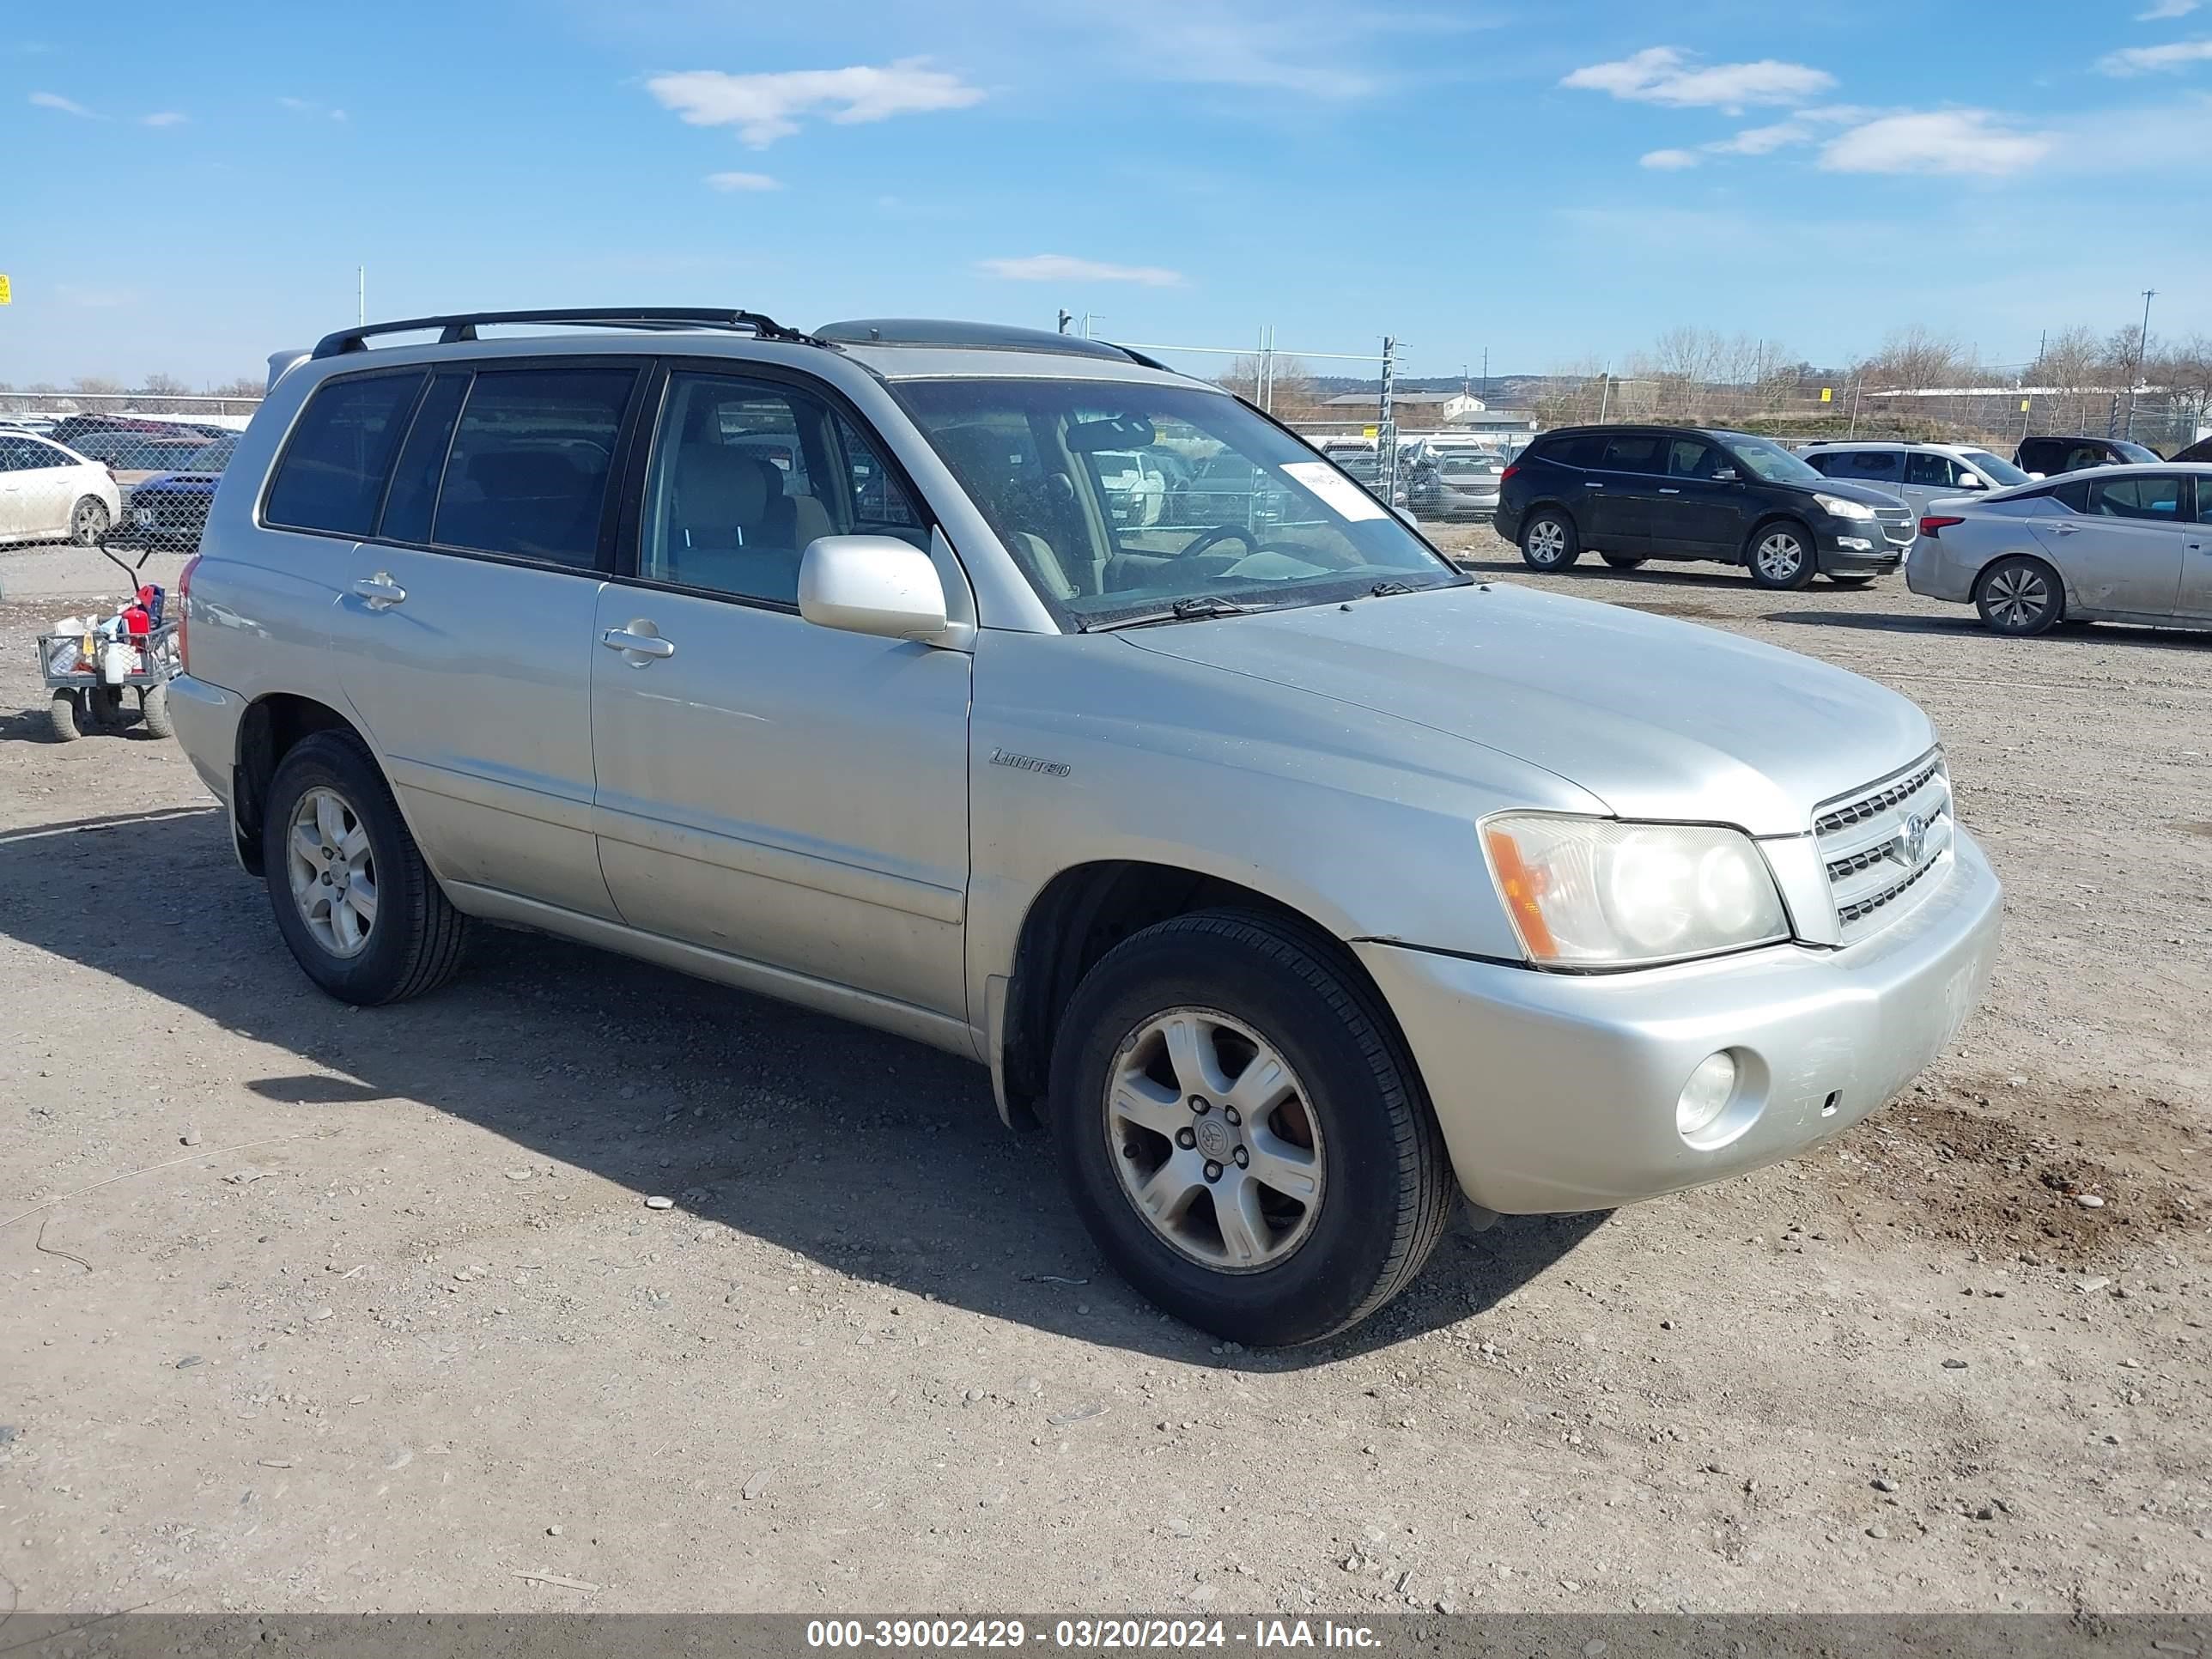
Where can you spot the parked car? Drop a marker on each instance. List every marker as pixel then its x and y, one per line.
pixel 39 425
pixel 71 428
pixel 1636 493
pixel 2199 451
pixel 2122 544
pixel 1915 473
pixel 1295 877
pixel 135 457
pixel 2052 456
pixel 169 509
pixel 1459 484
pixel 51 494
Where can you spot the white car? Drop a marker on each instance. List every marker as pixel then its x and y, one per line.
pixel 50 494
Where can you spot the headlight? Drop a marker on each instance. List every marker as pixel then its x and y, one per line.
pixel 1839 508
pixel 1598 893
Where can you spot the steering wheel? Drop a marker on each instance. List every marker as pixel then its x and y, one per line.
pixel 1221 532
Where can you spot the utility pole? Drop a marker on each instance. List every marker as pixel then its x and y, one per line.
pixel 1486 374
pixel 1066 318
pixel 2142 354
pixel 1386 427
pixel 360 295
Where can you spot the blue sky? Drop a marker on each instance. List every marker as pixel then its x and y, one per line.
pixel 192 186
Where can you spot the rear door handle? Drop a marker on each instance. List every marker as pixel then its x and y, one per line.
pixel 1667 489
pixel 642 645
pixel 380 591
pixel 2066 530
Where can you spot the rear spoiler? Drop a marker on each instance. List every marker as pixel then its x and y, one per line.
pixel 281 361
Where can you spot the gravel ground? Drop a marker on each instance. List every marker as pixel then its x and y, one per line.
pixel 345 1311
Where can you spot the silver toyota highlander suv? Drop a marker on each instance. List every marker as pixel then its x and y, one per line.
pixel 1291 875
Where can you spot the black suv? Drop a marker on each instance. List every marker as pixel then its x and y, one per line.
pixel 1667 492
pixel 2052 456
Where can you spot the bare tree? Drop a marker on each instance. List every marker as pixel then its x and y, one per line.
pixel 1914 358
pixel 2073 362
pixel 245 386
pixel 159 392
pixel 1290 393
pixel 98 386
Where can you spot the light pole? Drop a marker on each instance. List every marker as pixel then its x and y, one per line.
pixel 2142 351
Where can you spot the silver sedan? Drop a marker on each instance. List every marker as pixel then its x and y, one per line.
pixel 2119 543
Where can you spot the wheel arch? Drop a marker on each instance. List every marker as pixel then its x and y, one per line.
pixel 1766 521
pixel 1086 909
pixel 2068 604
pixel 271 726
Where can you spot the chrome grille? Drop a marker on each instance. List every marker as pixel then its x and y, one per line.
pixel 1899 526
pixel 1881 843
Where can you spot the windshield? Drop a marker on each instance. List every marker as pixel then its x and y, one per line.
pixel 1262 522
pixel 2135 451
pixel 2003 472
pixel 214 457
pixel 1770 460
pixel 1467 466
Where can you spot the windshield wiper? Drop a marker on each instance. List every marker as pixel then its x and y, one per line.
pixel 1196 608
pixel 1384 590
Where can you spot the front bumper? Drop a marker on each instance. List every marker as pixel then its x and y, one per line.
pixel 1557 1092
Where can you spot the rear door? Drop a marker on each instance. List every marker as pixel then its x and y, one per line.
pixel 464 635
pixel 2122 551
pixel 1623 493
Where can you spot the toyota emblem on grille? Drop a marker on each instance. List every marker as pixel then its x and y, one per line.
pixel 1913 840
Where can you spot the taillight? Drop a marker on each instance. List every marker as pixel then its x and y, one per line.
pixel 1511 469
pixel 184 613
pixel 1935 521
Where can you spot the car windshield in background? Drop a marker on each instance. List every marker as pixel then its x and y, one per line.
pixel 215 457
pixel 1464 465
pixel 1261 521
pixel 2003 472
pixel 1770 460
pixel 2136 453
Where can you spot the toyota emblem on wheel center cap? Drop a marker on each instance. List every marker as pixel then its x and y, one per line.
pixel 1213 1138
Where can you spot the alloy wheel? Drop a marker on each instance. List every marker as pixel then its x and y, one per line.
pixel 2017 597
pixel 1547 541
pixel 332 872
pixel 1780 557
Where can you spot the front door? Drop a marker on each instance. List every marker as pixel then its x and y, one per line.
pixel 2195 601
pixel 1698 515
pixel 2122 551
pixel 464 629
pixel 1623 493
pixel 779 791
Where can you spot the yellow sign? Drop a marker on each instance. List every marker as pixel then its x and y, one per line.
pixel 1369 432
pixel 2023 405
pixel 1827 394
pixel 6 298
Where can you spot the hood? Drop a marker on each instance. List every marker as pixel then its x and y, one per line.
pixel 1866 494
pixel 183 483
pixel 1657 718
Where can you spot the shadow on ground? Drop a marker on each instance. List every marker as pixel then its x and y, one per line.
pixel 868 1153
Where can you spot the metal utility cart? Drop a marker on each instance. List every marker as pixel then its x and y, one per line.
pixel 86 694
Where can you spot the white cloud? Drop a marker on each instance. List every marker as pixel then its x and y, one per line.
pixel 2167 8
pixel 743 181
pixel 1763 141
pixel 66 106
pixel 2150 60
pixel 1666 75
pixel 1062 268
pixel 1953 141
pixel 1668 160
pixel 166 118
pixel 766 107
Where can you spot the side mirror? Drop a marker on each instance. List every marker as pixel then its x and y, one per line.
pixel 2035 477
pixel 1972 481
pixel 1725 475
pixel 876 585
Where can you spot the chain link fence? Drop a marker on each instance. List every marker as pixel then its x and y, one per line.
pixel 131 468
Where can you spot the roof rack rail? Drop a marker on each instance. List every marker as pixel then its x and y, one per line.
pixel 463 325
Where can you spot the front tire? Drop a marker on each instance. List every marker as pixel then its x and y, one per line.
pixel 2019 596
pixel 1240 1132
pixel 89 521
pixel 364 917
pixel 1781 555
pixel 1549 541
pixel 154 711
pixel 62 717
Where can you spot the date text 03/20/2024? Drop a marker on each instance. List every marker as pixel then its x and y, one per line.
pixel 1087 1635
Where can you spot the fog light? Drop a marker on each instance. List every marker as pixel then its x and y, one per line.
pixel 1705 1095
pixel 1859 544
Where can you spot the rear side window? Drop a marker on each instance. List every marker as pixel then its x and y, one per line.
pixel 1582 451
pixel 331 476
pixel 1633 452
pixel 2075 495
pixel 1879 466
pixel 527 476
pixel 1931 471
pixel 414 493
pixel 2156 498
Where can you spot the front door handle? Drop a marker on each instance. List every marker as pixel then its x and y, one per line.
pixel 380 590
pixel 1667 489
pixel 2066 530
pixel 642 645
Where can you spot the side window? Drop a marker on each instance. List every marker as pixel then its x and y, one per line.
pixel 2158 498
pixel 1876 465
pixel 2203 499
pixel 1930 471
pixel 2079 456
pixel 413 497
pixel 2074 495
pixel 1631 452
pixel 19 455
pixel 331 475
pixel 1688 458
pixel 881 506
pixel 527 475
pixel 1829 462
pixel 1586 451
pixel 721 512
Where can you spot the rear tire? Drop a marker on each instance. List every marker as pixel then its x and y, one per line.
pixel 61 717
pixel 1625 561
pixel 154 710
pixel 1781 555
pixel 1348 1128
pixel 1549 541
pixel 407 939
pixel 2019 596
pixel 89 521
